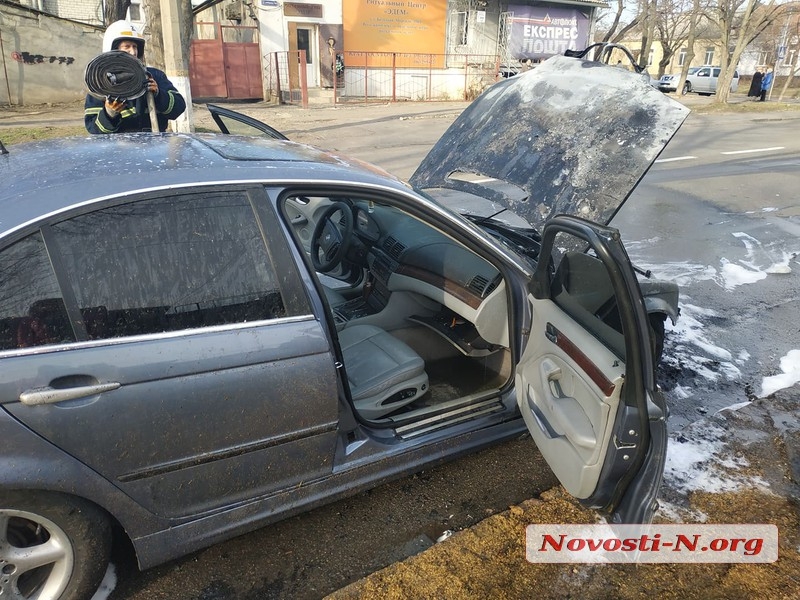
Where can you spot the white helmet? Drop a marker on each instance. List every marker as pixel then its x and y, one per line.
pixel 122 30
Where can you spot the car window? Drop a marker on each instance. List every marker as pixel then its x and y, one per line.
pixel 32 311
pixel 716 72
pixel 582 288
pixel 703 73
pixel 169 264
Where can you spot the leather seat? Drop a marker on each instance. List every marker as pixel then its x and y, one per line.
pixel 383 372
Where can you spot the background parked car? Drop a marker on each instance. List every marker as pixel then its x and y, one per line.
pixel 703 80
pixel 668 83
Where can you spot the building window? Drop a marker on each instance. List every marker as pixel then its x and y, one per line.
pixel 682 57
pixel 709 56
pixel 135 13
pixel 462 28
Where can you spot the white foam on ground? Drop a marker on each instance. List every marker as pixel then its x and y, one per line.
pixel 700 462
pixel 107 585
pixel 790 365
pixel 688 337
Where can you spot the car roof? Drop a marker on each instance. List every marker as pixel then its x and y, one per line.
pixel 51 176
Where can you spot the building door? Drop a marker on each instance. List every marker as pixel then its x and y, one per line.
pixel 225 62
pixel 304 37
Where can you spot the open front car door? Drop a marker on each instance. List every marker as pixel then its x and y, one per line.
pixel 585 382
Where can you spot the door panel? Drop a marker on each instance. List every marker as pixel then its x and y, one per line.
pixel 243 71
pixel 207 69
pixel 303 37
pixel 567 409
pixel 306 38
pixel 585 381
pixel 199 421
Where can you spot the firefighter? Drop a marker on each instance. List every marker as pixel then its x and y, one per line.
pixel 115 115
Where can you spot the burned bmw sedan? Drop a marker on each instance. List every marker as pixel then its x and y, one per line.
pixel 225 330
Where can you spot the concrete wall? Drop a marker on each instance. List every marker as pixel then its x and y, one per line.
pixel 42 58
pixel 85 11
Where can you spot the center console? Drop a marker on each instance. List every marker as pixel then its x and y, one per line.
pixel 376 292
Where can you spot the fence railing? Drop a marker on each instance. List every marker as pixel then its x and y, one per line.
pixel 386 77
pixel 403 76
pixel 285 79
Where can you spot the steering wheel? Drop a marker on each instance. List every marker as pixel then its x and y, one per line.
pixel 328 238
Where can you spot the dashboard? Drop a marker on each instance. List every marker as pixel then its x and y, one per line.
pixel 408 255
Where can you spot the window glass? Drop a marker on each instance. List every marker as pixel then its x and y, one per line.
pixel 582 288
pixel 169 264
pixel 32 312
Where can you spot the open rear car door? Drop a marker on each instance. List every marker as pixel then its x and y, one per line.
pixel 585 382
pixel 232 122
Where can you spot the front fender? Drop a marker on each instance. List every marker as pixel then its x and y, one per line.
pixel 661 297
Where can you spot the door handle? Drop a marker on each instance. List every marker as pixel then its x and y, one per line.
pixel 51 395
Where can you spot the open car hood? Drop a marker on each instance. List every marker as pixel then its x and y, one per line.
pixel 571 136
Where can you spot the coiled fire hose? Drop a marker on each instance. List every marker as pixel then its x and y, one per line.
pixel 119 75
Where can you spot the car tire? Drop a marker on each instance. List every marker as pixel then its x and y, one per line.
pixel 71 534
pixel 658 332
pixel 687 87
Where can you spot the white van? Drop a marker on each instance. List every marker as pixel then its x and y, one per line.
pixel 703 80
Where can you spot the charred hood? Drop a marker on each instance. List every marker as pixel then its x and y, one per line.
pixel 572 136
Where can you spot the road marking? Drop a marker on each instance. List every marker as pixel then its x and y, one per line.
pixel 663 160
pixel 754 150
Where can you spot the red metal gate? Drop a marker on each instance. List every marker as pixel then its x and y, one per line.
pixel 225 62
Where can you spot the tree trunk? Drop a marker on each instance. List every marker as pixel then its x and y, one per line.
pixel 786 85
pixel 690 40
pixel 617 18
pixel 187 30
pixel 155 39
pixel 115 10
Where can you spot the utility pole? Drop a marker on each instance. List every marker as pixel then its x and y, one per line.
pixel 176 64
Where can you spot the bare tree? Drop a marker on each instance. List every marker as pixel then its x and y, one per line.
pixel 615 23
pixel 155 38
pixel 739 22
pixel 616 32
pixel 649 12
pixel 794 39
pixel 691 38
pixel 673 26
pixel 115 10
